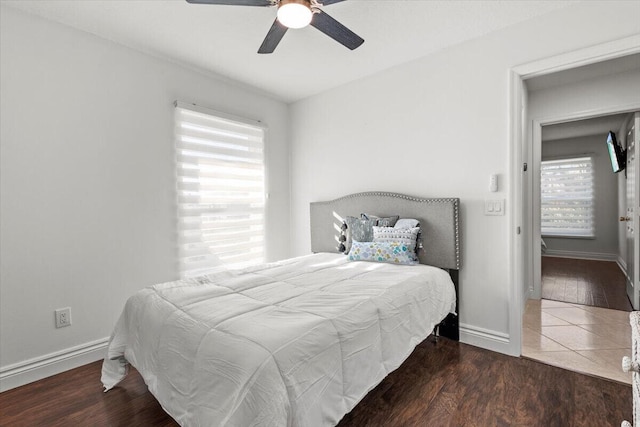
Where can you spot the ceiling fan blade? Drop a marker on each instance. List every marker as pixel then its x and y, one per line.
pixel 234 2
pixel 328 2
pixel 275 34
pixel 336 30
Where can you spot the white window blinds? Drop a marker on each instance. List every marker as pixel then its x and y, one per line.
pixel 567 204
pixel 220 185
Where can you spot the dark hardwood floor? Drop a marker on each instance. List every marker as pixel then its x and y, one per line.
pixel 586 282
pixel 448 384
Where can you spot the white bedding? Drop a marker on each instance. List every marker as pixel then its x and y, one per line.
pixel 293 343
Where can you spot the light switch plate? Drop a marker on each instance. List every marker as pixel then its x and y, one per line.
pixel 494 207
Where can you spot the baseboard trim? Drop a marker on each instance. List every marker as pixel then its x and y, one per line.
pixel 622 264
pixel 526 296
pixel 580 255
pixel 487 339
pixel 35 369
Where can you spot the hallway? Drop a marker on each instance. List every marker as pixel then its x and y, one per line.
pixel 586 282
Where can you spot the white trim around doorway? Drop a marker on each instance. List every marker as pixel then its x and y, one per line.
pixel 522 246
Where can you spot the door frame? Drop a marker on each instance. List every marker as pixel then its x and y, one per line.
pixel 633 282
pixel 535 290
pixel 522 246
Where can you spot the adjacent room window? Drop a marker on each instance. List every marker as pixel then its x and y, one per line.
pixel 567 199
pixel 221 191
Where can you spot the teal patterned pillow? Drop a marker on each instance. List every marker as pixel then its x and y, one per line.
pixel 391 252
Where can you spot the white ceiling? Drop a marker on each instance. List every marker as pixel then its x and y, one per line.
pixel 223 40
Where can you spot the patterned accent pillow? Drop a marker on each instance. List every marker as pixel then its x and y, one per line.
pixel 360 230
pixel 381 221
pixel 392 234
pixel 391 252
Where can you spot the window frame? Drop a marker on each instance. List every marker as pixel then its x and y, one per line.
pixel 589 233
pixel 199 161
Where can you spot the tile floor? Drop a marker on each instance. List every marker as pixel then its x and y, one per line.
pixel 582 338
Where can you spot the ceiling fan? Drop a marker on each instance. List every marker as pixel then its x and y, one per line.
pixel 297 14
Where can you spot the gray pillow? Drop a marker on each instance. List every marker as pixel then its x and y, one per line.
pixel 388 221
pixel 407 223
pixel 360 230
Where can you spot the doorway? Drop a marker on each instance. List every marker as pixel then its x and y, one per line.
pixel 614 194
pixel 583 190
pixel 591 343
pixel 581 321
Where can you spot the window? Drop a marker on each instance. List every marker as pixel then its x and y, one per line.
pixel 220 186
pixel 567 197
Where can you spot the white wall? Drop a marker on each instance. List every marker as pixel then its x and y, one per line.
pixel 585 96
pixel 605 243
pixel 87 179
pixel 435 127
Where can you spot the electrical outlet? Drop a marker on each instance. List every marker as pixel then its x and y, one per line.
pixel 63 317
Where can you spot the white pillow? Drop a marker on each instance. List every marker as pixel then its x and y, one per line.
pixel 407 236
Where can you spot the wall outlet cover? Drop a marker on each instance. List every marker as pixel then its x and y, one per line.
pixel 63 317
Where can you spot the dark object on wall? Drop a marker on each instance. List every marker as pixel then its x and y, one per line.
pixel 617 155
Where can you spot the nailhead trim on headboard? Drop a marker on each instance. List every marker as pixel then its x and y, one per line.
pixel 454 201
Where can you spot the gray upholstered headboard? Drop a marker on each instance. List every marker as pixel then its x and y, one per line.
pixel 438 222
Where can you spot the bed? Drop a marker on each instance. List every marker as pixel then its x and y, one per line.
pixel 297 342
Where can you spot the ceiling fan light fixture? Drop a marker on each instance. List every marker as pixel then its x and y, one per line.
pixel 294 13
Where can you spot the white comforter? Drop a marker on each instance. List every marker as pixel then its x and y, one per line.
pixel 293 343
